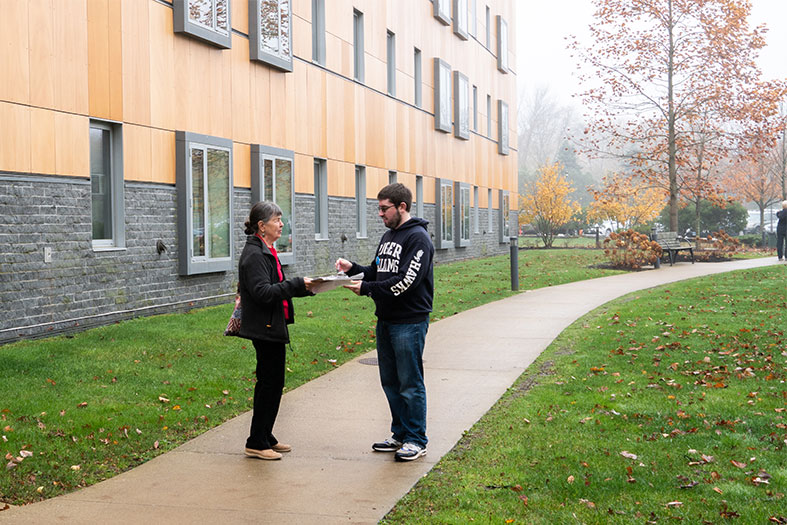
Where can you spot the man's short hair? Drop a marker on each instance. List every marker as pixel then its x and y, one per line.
pixel 396 193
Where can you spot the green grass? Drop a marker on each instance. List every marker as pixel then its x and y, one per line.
pixel 689 378
pixel 97 403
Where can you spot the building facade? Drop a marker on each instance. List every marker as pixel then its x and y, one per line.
pixel 135 135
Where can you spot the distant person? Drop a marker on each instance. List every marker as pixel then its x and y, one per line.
pixel 266 310
pixel 781 231
pixel 401 283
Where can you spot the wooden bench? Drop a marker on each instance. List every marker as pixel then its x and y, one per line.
pixel 671 244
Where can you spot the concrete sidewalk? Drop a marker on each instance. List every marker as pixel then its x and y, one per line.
pixel 332 476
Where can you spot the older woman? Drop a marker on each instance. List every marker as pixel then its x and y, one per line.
pixel 266 310
pixel 781 231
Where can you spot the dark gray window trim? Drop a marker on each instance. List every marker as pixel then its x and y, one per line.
pixel 442 11
pixel 392 177
pixel 442 120
pixel 489 117
pixel 490 222
pixel 361 229
pixel 440 243
pixel 505 221
pixel 459 241
pixel 461 106
pixel 502 128
pixel 475 108
pixel 187 266
pixel 476 212
pixel 488 28
pixel 321 200
pixel 257 54
pixel 502 45
pixel 318 32
pixel 417 78
pixel 258 154
pixel 359 52
pixel 460 24
pixel 118 241
pixel 419 196
pixel 391 62
pixel 182 24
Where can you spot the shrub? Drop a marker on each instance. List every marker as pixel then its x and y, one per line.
pixel 752 239
pixel 629 249
pixel 718 246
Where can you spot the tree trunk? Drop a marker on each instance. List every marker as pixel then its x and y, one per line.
pixel 671 139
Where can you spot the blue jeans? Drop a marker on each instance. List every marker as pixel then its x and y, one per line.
pixel 400 350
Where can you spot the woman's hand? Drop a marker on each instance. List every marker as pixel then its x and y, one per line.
pixel 343 265
pixel 309 284
pixel 355 286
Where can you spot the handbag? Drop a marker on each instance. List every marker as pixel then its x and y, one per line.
pixel 233 326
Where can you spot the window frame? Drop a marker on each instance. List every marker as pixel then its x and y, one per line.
pixel 475 108
pixel 504 216
pixel 185 142
pixel 461 214
pixel 390 66
pixel 477 212
pixel 473 26
pixel 320 199
pixel 257 54
pixel 460 21
pixel 419 196
pixel 442 90
pixel 503 147
pixel 259 154
pixel 502 45
pixel 418 78
pixel 488 42
pixel 442 11
pixel 361 229
pixel 181 23
pixel 444 236
pixel 359 58
pixel 392 177
pixel 489 116
pixel 116 199
pixel 490 218
pixel 461 106
pixel 318 32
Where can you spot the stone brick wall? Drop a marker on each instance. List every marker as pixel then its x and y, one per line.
pixel 81 287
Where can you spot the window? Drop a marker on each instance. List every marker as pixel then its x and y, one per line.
pixel 419 195
pixel 502 128
pixel 489 116
pixel 442 11
pixel 358 50
pixel 320 199
pixel 462 214
pixel 488 27
pixel 489 217
pixel 475 109
pixel 461 106
pixel 417 77
pixel 473 19
pixel 106 186
pixel 502 44
pixel 208 20
pixel 270 35
pixel 505 217
pixel 444 212
pixel 391 177
pixel 318 31
pixel 442 96
pixel 391 64
pixel 204 186
pixel 476 212
pixel 360 202
pixel 460 19
pixel 272 180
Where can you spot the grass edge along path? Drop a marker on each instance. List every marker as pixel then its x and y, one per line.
pixel 668 404
pixel 78 409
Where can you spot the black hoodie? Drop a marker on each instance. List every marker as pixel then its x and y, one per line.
pixel 400 279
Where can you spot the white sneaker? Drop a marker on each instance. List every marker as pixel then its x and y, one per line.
pixel 409 452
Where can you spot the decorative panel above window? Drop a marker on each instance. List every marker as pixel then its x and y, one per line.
pixel 204 187
pixel 502 128
pixel 505 217
pixel 442 11
pixel 444 213
pixel 460 19
pixel 462 214
pixel 461 106
pixel 442 95
pixel 270 32
pixel 502 44
pixel 272 180
pixel 208 20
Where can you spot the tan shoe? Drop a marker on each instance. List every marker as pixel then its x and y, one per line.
pixel 262 454
pixel 282 447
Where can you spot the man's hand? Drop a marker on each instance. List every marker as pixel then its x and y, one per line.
pixel 309 284
pixel 343 265
pixel 355 286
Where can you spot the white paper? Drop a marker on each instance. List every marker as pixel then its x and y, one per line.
pixel 331 282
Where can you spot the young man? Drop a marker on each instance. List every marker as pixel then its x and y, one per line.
pixel 401 283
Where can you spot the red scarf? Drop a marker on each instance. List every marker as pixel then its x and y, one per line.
pixel 278 269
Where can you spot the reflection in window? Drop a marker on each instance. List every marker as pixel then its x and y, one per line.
pixel 444 213
pixel 502 128
pixel 277 187
pixel 270 38
pixel 460 19
pixel 461 106
pixel 462 192
pixel 505 217
pixel 211 14
pixel 360 201
pixel 208 20
pixel 101 182
pixel 502 44
pixel 442 11
pixel 210 180
pixel 442 94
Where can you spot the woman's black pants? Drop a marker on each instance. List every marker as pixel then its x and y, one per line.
pixel 267 393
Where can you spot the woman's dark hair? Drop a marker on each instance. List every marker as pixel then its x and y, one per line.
pixel 262 211
pixel 397 193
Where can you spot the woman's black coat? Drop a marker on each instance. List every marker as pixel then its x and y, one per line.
pixel 261 294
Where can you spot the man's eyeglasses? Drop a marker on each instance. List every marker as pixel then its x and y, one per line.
pixel 384 209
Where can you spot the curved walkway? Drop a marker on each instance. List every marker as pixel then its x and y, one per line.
pixel 332 476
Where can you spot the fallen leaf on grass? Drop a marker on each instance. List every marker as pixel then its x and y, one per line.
pixel 570 479
pixel 76 467
pixel 738 463
pixel 717 489
pixel 629 455
pixel 674 504
pixel 589 504
pixel 83 404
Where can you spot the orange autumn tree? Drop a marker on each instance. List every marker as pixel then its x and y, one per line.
pixel 655 66
pixel 755 180
pixel 625 202
pixel 545 203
